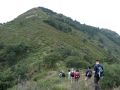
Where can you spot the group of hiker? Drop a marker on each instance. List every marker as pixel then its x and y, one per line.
pixel 75 75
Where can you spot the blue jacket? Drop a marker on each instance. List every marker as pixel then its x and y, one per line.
pixel 97 70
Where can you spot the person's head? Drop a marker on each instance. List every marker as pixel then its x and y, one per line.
pixel 68 70
pixel 89 67
pixel 77 70
pixel 97 61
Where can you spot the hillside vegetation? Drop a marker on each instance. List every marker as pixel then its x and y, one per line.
pixel 41 41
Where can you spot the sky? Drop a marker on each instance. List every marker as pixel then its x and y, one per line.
pixel 99 13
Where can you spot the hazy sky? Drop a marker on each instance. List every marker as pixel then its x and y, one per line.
pixel 100 13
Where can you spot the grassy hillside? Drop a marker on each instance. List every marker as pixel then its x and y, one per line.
pixel 41 39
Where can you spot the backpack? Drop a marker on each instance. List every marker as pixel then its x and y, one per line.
pixel 99 71
pixel 60 74
pixel 77 75
pixel 63 74
pixel 72 74
pixel 89 73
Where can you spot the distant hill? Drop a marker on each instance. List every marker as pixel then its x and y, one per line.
pixel 42 38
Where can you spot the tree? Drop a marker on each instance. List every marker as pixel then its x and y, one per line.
pixel 51 60
pixel 58 25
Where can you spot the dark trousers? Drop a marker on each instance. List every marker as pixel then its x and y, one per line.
pixel 96 81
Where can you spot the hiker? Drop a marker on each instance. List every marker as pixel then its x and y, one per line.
pixel 88 73
pixel 69 75
pixel 76 79
pixel 76 75
pixel 62 74
pixel 99 73
pixel 72 74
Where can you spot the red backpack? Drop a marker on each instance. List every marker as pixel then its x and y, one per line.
pixel 77 75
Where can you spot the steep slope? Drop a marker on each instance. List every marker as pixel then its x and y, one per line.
pixel 31 29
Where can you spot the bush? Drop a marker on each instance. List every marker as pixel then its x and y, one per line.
pixel 18 49
pixel 110 59
pixel 20 70
pixel 51 60
pixel 66 50
pixel 112 76
pixel 6 80
pixel 75 62
pixel 11 58
pixel 10 77
pixel 13 53
pixel 88 59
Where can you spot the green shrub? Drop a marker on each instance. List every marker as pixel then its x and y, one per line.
pixel 18 49
pixel 74 61
pixel 66 50
pixel 21 70
pixel 112 76
pixel 6 80
pixel 51 60
pixel 13 53
pixel 88 58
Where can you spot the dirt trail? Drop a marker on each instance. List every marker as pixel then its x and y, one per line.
pixel 51 74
